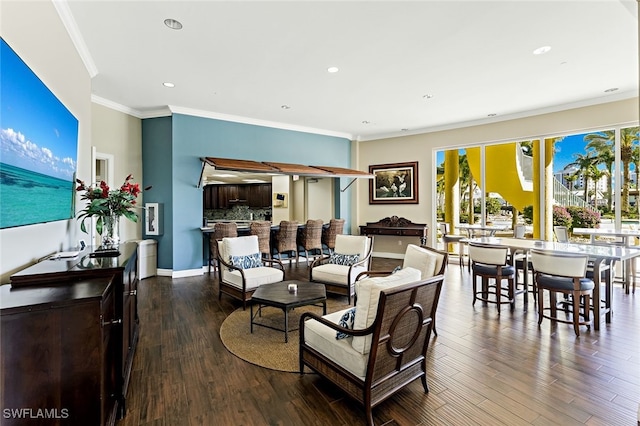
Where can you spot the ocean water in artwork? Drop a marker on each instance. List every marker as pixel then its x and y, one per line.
pixel 28 197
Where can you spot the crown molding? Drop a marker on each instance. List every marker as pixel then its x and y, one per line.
pixel 62 7
pixel 257 122
pixel 489 120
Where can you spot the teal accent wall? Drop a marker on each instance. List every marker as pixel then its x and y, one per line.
pixel 157 173
pixel 181 246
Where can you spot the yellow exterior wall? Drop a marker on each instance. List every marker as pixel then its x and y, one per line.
pixel 501 173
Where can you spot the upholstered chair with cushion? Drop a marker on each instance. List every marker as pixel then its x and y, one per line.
pixel 429 261
pixel 561 233
pixel 563 273
pixel 338 271
pixel 490 264
pixel 378 347
pixel 449 238
pixel 242 268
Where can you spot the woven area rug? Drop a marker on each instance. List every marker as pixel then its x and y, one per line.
pixel 266 347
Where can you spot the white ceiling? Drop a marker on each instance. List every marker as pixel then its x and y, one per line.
pixel 241 61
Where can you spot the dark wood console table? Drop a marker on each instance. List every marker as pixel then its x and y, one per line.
pixel 68 330
pixel 395 225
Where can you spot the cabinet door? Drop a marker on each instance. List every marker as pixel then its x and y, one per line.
pixel 227 193
pixel 210 197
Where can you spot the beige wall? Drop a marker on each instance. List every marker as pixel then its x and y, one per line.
pixel 317 194
pixel 422 148
pixel 120 135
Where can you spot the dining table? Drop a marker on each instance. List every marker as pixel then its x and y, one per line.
pixel 625 236
pixel 478 230
pixel 602 256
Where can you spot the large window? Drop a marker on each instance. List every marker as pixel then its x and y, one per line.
pixel 500 183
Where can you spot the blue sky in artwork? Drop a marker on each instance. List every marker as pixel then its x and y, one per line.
pixel 37 132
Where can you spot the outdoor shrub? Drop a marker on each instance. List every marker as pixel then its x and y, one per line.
pixel 583 217
pixel 561 217
pixel 493 205
pixel 527 214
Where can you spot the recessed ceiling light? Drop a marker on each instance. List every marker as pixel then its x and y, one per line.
pixel 613 89
pixel 285 107
pixel 173 24
pixel 168 84
pixel 333 69
pixel 542 50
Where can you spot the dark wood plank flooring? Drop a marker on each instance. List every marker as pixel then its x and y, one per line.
pixel 484 368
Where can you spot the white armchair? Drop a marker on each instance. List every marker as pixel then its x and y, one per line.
pixel 377 348
pixel 242 268
pixel 338 271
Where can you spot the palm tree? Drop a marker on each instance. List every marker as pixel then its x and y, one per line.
pixel 597 174
pixel 603 147
pixel 628 139
pixel 585 163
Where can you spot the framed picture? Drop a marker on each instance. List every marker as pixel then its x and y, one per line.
pixel 153 219
pixel 394 183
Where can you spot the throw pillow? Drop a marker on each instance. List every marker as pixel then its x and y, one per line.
pixel 246 262
pixel 344 259
pixel 347 322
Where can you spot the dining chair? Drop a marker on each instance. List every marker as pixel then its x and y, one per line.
pixel 220 231
pixel 518 259
pixel 490 264
pixel 262 229
pixel 310 240
pixel 563 273
pixel 448 238
pixel 286 241
pixel 561 233
pixel 336 226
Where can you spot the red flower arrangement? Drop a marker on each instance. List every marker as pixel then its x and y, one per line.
pixel 104 202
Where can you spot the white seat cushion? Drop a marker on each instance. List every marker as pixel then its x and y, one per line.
pixel 323 339
pixel 368 292
pixel 254 277
pixel 336 274
pixel 423 260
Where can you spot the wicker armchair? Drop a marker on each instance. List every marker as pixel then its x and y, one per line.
pixel 262 229
pixel 220 231
pixel 286 241
pixel 310 240
pixel 336 226
pixel 386 348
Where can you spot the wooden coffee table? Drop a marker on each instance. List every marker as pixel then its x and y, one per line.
pixel 277 295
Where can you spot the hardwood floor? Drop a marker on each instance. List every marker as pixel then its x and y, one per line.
pixel 483 368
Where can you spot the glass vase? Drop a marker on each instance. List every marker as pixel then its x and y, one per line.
pixel 110 231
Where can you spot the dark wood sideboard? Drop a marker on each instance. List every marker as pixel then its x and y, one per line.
pixel 398 226
pixel 68 331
